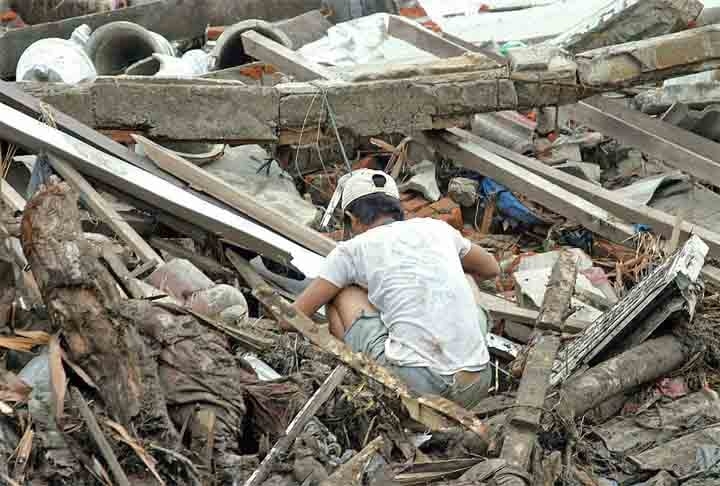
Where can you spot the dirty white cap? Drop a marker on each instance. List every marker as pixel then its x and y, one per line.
pixel 363 182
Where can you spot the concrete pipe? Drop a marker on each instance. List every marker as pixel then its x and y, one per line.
pixel 117 45
pixel 229 50
pixel 41 11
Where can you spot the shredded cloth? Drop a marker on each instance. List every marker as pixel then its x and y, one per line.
pixel 414 277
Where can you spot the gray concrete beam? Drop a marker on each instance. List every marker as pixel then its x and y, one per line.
pixel 441 94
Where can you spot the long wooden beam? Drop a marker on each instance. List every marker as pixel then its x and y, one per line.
pixel 286 60
pixel 36 136
pixel 599 212
pixel 472 156
pixel 691 153
pixel 208 183
pixel 659 221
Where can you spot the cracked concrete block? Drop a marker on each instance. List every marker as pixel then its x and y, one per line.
pixel 696 96
pixel 423 181
pixel 689 51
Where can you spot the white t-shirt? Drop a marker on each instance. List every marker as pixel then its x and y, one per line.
pixel 414 277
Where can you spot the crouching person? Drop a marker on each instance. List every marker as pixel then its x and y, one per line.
pixel 397 291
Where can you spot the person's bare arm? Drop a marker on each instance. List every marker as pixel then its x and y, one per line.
pixel 316 295
pixel 480 263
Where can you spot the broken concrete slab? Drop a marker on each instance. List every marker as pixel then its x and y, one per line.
pixel 689 51
pixel 424 181
pixel 697 96
pixel 619 22
pixel 463 191
pixel 252 171
pixel 539 77
pixel 174 19
pixel 623 435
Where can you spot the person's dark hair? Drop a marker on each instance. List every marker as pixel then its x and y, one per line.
pixel 370 208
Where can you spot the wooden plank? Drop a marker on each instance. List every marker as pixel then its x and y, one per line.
pixel 210 184
pixel 413 33
pixel 524 422
pixel 286 60
pixel 691 153
pixel 435 412
pixel 155 192
pixel 174 19
pixel 659 221
pixel 100 440
pixel 104 211
pixel 206 264
pixel 472 156
pixel 297 425
pixel 559 291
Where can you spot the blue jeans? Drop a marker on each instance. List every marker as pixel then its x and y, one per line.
pixel 368 335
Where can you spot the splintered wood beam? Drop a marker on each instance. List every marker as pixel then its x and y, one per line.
pixel 99 438
pixel 434 412
pixel 425 39
pixel 525 419
pixel 286 60
pixel 296 427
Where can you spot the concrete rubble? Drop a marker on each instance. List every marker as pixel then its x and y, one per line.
pixel 166 175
